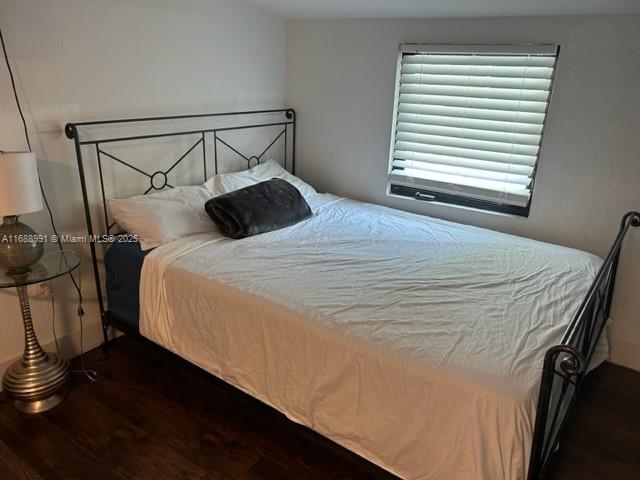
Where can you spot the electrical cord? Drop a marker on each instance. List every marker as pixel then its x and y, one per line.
pixel 59 243
pixel 91 375
pixel 15 92
pixel 53 323
pixel 26 137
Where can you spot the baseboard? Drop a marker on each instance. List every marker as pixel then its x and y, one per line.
pixel 69 344
pixel 625 353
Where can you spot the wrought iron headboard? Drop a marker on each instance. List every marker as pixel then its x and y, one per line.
pixel 158 179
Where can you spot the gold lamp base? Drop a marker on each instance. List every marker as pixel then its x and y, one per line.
pixel 37 382
pixel 39 406
pixel 38 386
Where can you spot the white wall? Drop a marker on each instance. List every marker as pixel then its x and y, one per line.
pixel 86 59
pixel 340 79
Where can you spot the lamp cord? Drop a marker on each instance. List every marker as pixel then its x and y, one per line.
pixel 90 374
pixel 15 92
pixel 26 137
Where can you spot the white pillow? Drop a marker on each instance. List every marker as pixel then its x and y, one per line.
pixel 164 216
pixel 228 182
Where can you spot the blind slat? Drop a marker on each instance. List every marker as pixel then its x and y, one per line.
pixel 477 81
pixel 474 102
pixel 479 92
pixel 402 149
pixel 485 145
pixel 511 60
pixel 477 113
pixel 469 133
pixel 523 71
pixel 470 124
pixel 464 162
pixel 478 124
pixel 507 177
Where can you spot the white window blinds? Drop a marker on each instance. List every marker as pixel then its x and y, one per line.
pixel 468 123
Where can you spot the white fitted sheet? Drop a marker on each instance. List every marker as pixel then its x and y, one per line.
pixel 415 342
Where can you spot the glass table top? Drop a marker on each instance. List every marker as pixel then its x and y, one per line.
pixel 54 263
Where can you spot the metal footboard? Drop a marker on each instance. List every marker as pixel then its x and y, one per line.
pixel 566 364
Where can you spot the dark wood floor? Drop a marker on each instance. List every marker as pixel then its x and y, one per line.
pixel 153 416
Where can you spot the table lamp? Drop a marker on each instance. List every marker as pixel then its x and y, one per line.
pixel 20 247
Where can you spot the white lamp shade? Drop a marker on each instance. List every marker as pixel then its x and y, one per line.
pixel 19 187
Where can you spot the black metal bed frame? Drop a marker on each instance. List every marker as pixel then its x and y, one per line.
pixel 565 364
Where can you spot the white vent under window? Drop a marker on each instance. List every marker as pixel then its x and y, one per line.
pixel 468 123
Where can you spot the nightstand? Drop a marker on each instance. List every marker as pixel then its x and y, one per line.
pixel 37 382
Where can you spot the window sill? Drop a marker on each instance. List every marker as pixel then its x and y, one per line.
pixel 457 207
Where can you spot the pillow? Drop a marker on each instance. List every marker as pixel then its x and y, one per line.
pixel 259 208
pixel 164 216
pixel 228 182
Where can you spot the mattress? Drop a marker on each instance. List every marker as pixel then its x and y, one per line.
pixel 123 266
pixel 414 342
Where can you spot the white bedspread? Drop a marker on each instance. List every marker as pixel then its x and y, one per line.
pixel 415 342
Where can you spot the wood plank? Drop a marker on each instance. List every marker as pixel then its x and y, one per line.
pixel 209 445
pixel 53 455
pixel 128 448
pixel 265 469
pixel 9 416
pixel 602 433
pixel 140 360
pixel 621 384
pixel 12 467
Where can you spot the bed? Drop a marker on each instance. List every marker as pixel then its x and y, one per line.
pixel 435 350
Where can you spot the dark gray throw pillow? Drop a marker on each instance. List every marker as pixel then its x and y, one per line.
pixel 260 208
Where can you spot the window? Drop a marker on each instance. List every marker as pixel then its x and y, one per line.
pixel 468 123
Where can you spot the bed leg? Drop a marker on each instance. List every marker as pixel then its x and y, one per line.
pixel 105 328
